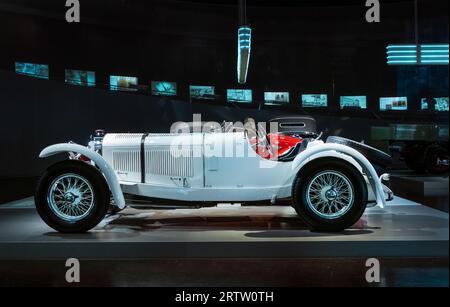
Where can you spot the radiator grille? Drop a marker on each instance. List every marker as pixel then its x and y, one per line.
pixel 128 136
pixel 128 162
pixel 169 162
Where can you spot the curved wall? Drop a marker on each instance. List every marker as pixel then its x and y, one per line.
pixel 36 113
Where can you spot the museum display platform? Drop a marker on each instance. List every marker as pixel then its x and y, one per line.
pixel 430 190
pixel 403 229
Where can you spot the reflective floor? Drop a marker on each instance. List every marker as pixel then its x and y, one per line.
pixel 403 229
pixel 227 246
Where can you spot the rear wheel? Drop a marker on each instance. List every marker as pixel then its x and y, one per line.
pixel 330 195
pixel 72 197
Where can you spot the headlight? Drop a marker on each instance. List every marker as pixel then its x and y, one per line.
pixel 97 140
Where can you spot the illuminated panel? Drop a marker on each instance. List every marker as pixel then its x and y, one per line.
pixel 202 92
pixel 353 102
pixel 402 55
pixel 276 98
pixel 434 54
pixel 241 96
pixel 244 47
pixel 80 77
pixel 121 83
pixel 33 70
pixel 315 101
pixel 164 88
pixel 393 104
pixel 439 104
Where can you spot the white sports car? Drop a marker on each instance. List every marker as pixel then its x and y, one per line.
pixel 329 184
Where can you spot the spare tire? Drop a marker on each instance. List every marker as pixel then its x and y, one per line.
pixel 374 155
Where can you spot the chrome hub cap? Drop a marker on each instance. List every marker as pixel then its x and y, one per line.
pixel 71 197
pixel 330 195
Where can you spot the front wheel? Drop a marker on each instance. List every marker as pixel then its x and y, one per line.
pixel 72 197
pixel 330 195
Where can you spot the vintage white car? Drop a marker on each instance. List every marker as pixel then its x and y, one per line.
pixel 329 184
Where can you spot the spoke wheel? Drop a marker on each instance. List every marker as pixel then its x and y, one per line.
pixel 71 197
pixel 330 195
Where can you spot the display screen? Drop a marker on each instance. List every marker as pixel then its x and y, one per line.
pixel 353 102
pixel 163 88
pixel 202 92
pixel 241 96
pixel 315 101
pixel 121 83
pixel 393 104
pixel 80 77
pixel 33 70
pixel 440 104
pixel 276 98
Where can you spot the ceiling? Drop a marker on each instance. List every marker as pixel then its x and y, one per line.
pixel 278 3
pixel 140 11
pixel 49 6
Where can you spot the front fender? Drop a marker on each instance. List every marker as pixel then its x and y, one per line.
pixel 327 149
pixel 105 168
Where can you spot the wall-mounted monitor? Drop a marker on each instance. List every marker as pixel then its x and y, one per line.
pixel 121 83
pixel 164 88
pixel 80 77
pixel 31 69
pixel 202 92
pixel 276 98
pixel 393 103
pixel 240 96
pixel 437 104
pixel 353 102
pixel 315 101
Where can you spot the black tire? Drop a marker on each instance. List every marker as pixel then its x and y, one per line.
pixel 100 197
pixel 374 155
pixel 431 165
pixel 311 218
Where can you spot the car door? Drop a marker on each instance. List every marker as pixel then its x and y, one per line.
pixel 231 163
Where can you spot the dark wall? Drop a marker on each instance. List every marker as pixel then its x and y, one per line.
pixel 299 49
pixel 36 113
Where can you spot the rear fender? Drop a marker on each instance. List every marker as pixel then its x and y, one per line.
pixel 350 155
pixel 105 168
